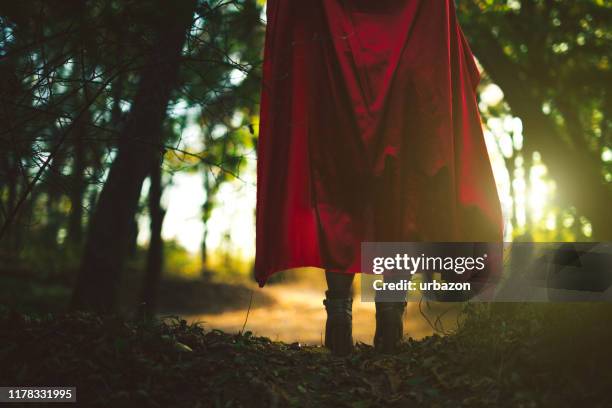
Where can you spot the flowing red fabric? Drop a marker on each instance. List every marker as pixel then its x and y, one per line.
pixel 369 131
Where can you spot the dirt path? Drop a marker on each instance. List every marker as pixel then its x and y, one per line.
pixel 298 315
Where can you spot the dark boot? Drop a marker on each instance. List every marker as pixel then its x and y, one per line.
pixel 389 326
pixel 339 325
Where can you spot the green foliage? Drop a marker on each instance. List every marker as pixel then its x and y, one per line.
pixel 69 74
pixel 551 59
pixel 564 48
pixel 178 262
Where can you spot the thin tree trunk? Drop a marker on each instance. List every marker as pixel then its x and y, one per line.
pixel 155 253
pixel 54 190
pixel 9 91
pixel 206 211
pixel 106 246
pixel 77 186
pixel 12 175
pixel 97 151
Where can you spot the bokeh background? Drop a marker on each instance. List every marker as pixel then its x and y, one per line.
pixel 129 150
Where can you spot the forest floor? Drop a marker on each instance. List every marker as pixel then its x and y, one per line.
pixel 287 311
pixel 118 362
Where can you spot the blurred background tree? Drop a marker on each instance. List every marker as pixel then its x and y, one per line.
pixel 551 61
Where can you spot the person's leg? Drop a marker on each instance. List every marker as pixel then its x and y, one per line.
pixel 389 318
pixel 338 304
pixel 339 285
pixel 389 211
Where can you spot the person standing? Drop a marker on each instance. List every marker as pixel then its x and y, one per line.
pixel 369 131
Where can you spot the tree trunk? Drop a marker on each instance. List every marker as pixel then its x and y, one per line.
pixel 206 212
pixel 10 90
pixel 78 185
pixel 139 141
pixel 156 245
pixel 12 178
pixel 54 190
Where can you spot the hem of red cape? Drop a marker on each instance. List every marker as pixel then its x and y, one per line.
pixel 261 280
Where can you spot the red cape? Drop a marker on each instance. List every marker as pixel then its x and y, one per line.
pixel 369 131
